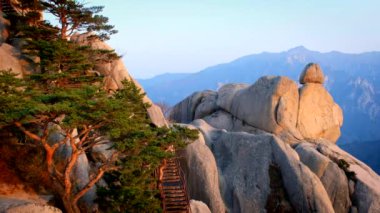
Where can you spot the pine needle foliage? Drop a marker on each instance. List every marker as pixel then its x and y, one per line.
pixel 63 91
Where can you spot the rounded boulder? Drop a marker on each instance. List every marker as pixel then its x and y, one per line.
pixel 312 74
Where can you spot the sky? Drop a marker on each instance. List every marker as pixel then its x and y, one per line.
pixel 166 36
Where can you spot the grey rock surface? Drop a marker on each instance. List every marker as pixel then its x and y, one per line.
pixel 9 59
pixel 202 175
pixel 207 104
pixel 332 177
pixel 21 205
pixel 102 151
pixel 226 94
pixel 270 104
pixel 243 162
pixel 187 110
pixel 198 207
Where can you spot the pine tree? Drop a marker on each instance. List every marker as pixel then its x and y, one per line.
pixel 62 93
pixel 74 16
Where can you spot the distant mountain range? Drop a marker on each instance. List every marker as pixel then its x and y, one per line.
pixel 352 79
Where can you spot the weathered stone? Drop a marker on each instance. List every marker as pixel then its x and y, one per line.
pixel 318 116
pixel 312 74
pixel 316 162
pixel 198 207
pixel 367 186
pixel 155 114
pixel 332 177
pixel 270 104
pixel 238 153
pixel 9 59
pixel 186 110
pixel 336 184
pixel 80 175
pixel 102 150
pixel 115 72
pixel 305 190
pixel 32 208
pixel 223 120
pixel 237 156
pixel 207 105
pixel 226 94
pixel 202 175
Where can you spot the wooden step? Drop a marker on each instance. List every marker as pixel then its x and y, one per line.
pixel 172 187
pixel 175 199
pixel 176 203
pixel 171 178
pixel 176 207
pixel 171 171
pixel 175 195
pixel 172 181
pixel 176 191
pixel 171 174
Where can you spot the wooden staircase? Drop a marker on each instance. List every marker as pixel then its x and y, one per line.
pixel 173 188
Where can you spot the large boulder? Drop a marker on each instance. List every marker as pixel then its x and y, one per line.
pixel 319 117
pixel 270 104
pixel 202 175
pixel 224 120
pixel 102 151
pixel 9 59
pixel 198 207
pixel 244 161
pixel 273 104
pixel 197 105
pixel 365 182
pixel 81 171
pixel 333 178
pixel 207 104
pixel 312 74
pixel 18 205
pixel 272 146
pixel 305 190
pixel 226 95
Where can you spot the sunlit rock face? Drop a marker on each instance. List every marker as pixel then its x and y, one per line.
pixel 319 117
pixel 270 147
pixel 115 72
pixel 273 104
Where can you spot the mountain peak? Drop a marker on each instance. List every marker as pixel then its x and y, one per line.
pixel 298 49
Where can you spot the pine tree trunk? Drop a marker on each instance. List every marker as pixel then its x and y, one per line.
pixel 70 206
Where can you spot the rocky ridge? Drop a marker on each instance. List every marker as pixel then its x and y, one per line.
pixel 115 72
pixel 270 147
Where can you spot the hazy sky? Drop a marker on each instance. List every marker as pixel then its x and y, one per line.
pixel 159 36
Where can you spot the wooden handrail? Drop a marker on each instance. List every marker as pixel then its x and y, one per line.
pixel 181 183
pixel 184 184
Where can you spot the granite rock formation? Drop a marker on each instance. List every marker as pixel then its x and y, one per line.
pixel 270 147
